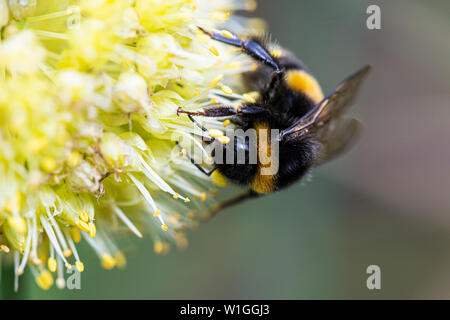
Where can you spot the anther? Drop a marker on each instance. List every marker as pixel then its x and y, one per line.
pixel 120 260
pixel 216 80
pixel 60 283
pixel 251 97
pixel 227 90
pixel 219 16
pixel 52 265
pixel 214 51
pixel 108 262
pixel 158 247
pixel 224 139
pixel 215 133
pixel 84 216
pixel 227 34
pixel 83 226
pixel 80 266
pixel 76 235
pixel 67 253
pixel 92 229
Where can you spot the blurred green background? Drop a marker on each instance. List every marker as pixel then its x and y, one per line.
pixel 386 202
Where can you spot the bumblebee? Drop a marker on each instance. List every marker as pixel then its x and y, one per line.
pixel 312 127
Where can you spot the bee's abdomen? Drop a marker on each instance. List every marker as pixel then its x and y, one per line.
pixel 296 159
pixel 241 174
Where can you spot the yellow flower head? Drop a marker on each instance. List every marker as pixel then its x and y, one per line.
pixel 89 92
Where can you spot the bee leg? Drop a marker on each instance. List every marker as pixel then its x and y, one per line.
pixel 196 123
pixel 246 111
pixel 208 173
pixel 271 91
pixel 231 202
pixel 213 111
pixel 239 121
pixel 251 47
pixel 190 116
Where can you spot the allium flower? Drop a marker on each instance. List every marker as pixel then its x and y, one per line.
pixel 89 91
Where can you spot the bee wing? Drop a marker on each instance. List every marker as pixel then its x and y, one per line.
pixel 333 106
pixel 337 137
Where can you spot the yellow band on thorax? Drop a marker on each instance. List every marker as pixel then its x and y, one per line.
pixel 302 81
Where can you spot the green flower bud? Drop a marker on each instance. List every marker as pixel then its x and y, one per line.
pixel 22 8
